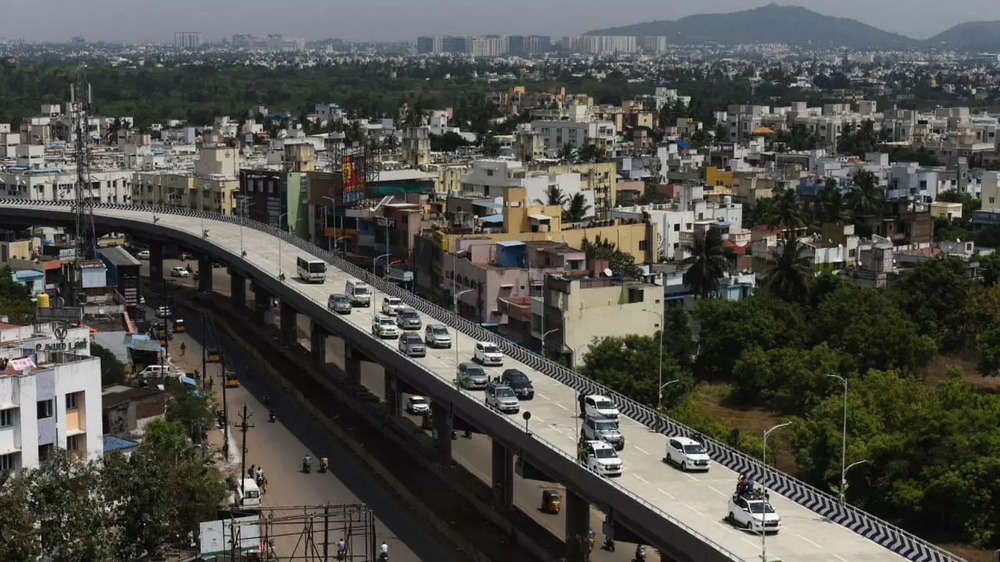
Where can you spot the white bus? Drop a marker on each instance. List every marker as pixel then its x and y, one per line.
pixel 312 271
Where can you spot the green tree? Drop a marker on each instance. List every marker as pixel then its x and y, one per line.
pixel 629 365
pixel 491 147
pixel 706 264
pixel 15 299
pixel 988 346
pixel 577 209
pixel 989 268
pixel 193 412
pixel 620 263
pixel 566 152
pixel 71 520
pixel 112 370
pixel 554 196
pixel 591 153
pixel 18 537
pixel 144 513
pixel 866 197
pixel 788 379
pixel 831 202
pixel 789 271
pixel 934 295
pixel 786 211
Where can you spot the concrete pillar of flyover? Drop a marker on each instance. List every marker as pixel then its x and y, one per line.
pixel 156 264
pixel 261 304
pixel 352 365
pixel 444 426
pixel 288 324
pixel 577 526
pixel 317 339
pixel 392 395
pixel 204 274
pixel 237 289
pixel 503 476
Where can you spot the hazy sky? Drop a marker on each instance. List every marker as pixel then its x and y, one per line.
pixel 141 20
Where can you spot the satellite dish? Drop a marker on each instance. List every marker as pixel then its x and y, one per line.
pixel 608 272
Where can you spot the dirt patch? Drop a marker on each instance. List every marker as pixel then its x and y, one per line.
pixel 945 367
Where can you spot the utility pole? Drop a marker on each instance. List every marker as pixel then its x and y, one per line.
pixel 166 323
pixel 225 408
pixel 204 354
pixel 326 531
pixel 244 426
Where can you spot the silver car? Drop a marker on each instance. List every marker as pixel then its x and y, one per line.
pixel 437 335
pixel 408 319
pixel 501 397
pixel 411 345
pixel 339 303
pixel 471 376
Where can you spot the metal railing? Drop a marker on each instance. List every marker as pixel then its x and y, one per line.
pixel 824 503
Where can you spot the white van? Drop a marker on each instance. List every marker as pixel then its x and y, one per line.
pixel 155 371
pixel 359 292
pixel 249 494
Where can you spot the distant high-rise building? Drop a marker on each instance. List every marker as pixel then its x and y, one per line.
pixel 489 46
pixel 528 45
pixel 451 44
pixel 187 39
pixel 425 45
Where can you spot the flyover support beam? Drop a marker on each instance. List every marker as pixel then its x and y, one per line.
pixel 577 525
pixel 156 263
pixel 317 339
pixel 261 304
pixel 204 274
pixel 503 476
pixel 393 398
pixel 444 427
pixel 352 364
pixel 288 327
pixel 237 289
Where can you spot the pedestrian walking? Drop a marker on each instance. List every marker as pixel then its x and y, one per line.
pixel 250 472
pixel 183 349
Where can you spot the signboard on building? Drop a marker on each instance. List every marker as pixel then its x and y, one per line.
pixel 353 177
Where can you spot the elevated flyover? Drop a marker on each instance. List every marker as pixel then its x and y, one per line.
pixel 680 513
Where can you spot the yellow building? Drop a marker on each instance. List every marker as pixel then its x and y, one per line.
pixel 716 177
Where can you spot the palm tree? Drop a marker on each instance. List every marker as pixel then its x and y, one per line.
pixel 831 202
pixel 578 208
pixel 707 263
pixel 786 210
pixel 789 271
pixel 866 197
pixel 555 196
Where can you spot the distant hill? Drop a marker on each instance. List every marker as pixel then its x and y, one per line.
pixel 972 36
pixel 772 23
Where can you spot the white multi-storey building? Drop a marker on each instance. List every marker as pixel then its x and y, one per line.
pixel 49 400
pixel 31 178
pixel 490 178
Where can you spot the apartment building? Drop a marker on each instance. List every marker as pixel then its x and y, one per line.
pixel 32 178
pixel 558 133
pixel 491 178
pixel 211 186
pixel 49 400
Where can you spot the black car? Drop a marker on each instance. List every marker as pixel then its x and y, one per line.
pixel 519 383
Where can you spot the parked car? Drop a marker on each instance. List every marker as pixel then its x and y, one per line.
pixel 487 353
pixel 339 303
pixel 602 458
pixel 178 271
pixel 687 454
pixel 411 345
pixel 519 383
pixel 408 319
pixel 384 326
pixel 418 406
pixel 753 514
pixel 391 305
pixel 604 429
pixel 471 376
pixel 501 397
pixel 599 406
pixel 437 335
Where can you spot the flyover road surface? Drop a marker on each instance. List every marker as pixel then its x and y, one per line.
pixel 698 500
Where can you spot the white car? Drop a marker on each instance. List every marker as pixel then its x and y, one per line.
pixel 143 254
pixel 178 271
pixel 687 454
pixel 391 305
pixel 602 458
pixel 418 406
pixel 384 327
pixel 753 514
pixel 598 406
pixel 488 354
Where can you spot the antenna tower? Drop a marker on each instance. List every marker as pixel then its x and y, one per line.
pixel 83 203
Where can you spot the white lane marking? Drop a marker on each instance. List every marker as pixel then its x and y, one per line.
pixel 812 542
pixel 561 406
pixel 640 478
pixel 839 558
pixel 716 491
pixel 665 493
pixel 544 397
pixel 755 544
pixel 640 449
pixel 691 507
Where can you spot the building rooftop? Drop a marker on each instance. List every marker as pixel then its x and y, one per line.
pixel 118 256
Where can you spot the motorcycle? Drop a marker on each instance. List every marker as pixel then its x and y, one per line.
pixel 270 417
pixel 306 464
pixel 591 539
pixel 640 554
pixel 324 464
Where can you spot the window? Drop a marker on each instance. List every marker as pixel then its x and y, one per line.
pixel 9 462
pixel 677 227
pixel 71 401
pixel 45 451
pixel 7 417
pixel 643 245
pixel 44 409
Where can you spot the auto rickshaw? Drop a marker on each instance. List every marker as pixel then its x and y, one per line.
pixel 551 501
pixel 212 355
pixel 179 325
pixel 231 380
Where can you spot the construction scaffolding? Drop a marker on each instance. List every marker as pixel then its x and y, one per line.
pixel 318 530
